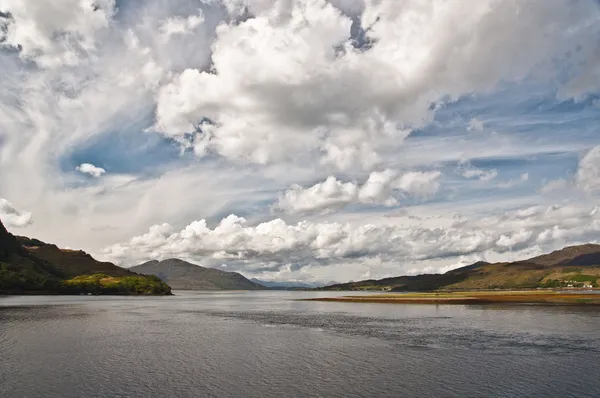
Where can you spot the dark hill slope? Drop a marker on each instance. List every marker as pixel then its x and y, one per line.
pixel 559 268
pixel 182 275
pixel 72 263
pixel 582 255
pixel 21 271
pixel 34 267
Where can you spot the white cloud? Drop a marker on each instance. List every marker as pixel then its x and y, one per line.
pixel 479 174
pixel 555 186
pixel 275 244
pixel 378 189
pixel 56 33
pixel 588 172
pixel 515 182
pixel 275 94
pixel 300 103
pixel 322 197
pixel 381 188
pixel 475 125
pixel 420 184
pixel 88 168
pixel 181 26
pixel 11 217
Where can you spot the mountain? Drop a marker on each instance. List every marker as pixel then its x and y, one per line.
pixel 34 267
pixel 571 266
pixel 283 284
pixel 182 275
pixel 71 263
pixel 21 271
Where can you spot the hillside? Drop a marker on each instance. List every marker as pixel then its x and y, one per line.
pixel 573 266
pixel 30 266
pixel 71 263
pixel 182 275
pixel 21 271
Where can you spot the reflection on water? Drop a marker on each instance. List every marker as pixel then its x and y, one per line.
pixel 262 344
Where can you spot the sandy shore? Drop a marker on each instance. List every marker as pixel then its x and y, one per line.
pixel 518 297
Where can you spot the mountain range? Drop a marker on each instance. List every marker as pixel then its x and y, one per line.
pixel 181 275
pixel 34 267
pixel 284 285
pixel 572 266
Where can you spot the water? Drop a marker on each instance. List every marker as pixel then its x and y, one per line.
pixel 266 344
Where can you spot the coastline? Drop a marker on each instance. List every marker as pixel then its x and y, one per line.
pixel 480 297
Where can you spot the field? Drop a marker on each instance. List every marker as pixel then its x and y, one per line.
pixel 483 297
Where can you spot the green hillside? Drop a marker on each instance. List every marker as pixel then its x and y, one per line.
pixel 574 266
pixel 30 266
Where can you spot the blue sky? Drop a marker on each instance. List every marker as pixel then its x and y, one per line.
pixel 463 130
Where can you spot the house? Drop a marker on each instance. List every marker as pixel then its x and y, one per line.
pixel 587 285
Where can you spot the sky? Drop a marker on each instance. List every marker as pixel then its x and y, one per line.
pixel 302 140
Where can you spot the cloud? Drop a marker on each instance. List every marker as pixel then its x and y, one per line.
pixel 299 101
pixel 274 244
pixel 523 178
pixel 322 197
pixel 261 94
pixel 57 33
pixel 475 125
pixel 181 26
pixel 90 169
pixel 420 184
pixel 556 186
pixel 481 175
pixel 588 172
pixel 12 217
pixel 381 188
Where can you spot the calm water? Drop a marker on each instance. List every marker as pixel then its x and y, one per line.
pixel 264 344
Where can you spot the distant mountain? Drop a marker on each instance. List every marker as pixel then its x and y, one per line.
pixel 571 266
pixel 283 284
pixel 181 275
pixel 34 267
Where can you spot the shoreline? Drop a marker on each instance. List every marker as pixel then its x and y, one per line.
pixel 489 297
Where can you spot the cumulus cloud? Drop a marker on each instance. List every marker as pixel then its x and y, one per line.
pixel 322 197
pixel 420 184
pixel 274 244
pixel 299 102
pixel 11 217
pixel 56 33
pixel 88 168
pixel 381 188
pixel 271 92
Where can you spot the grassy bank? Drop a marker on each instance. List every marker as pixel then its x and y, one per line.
pixel 482 297
pixel 105 284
